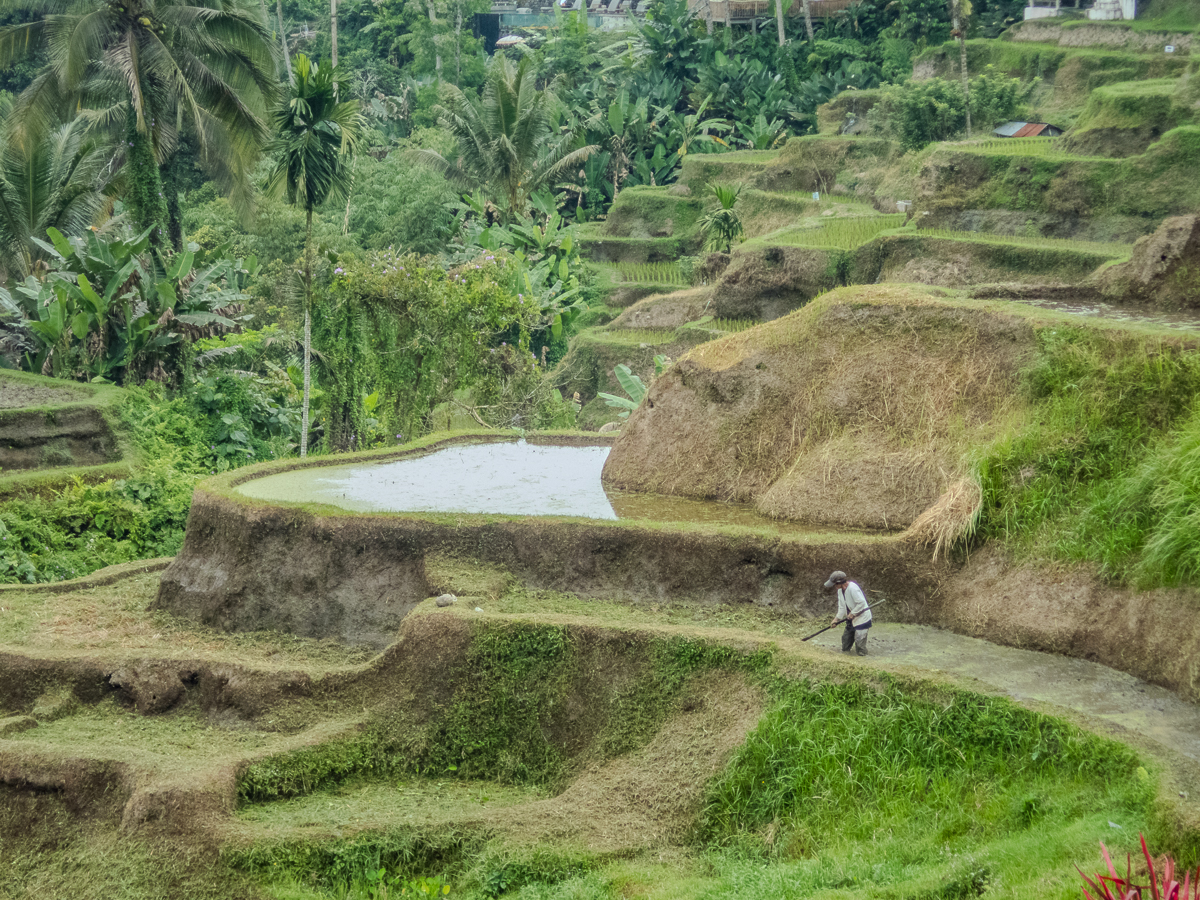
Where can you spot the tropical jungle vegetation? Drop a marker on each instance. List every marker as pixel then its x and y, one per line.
pixel 284 231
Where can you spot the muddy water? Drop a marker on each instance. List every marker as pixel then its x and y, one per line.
pixel 1097 309
pixel 1085 687
pixel 512 478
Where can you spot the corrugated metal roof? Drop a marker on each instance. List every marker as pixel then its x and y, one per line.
pixel 1008 129
pixel 1031 129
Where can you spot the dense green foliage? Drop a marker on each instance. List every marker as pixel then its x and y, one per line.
pixel 69 531
pixel 420 336
pixel 116 310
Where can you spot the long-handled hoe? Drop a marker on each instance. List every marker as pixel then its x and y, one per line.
pixel 838 622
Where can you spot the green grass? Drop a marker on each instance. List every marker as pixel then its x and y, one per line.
pixel 1102 467
pixel 650 273
pixel 849 789
pixel 1113 249
pixel 849 759
pixel 180 739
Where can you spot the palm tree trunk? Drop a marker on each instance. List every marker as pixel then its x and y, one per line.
pixel 349 194
pixel 458 22
pixel 333 32
pixel 307 335
pixel 287 57
pixel 437 56
pixel 779 19
pixel 807 20
pixel 956 23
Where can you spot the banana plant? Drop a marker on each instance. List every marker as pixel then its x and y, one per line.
pixel 633 386
pixel 546 256
pixel 110 309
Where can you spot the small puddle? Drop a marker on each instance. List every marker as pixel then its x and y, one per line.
pixel 509 478
pixel 1098 309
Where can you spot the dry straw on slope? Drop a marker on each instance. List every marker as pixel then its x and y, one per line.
pixel 950 520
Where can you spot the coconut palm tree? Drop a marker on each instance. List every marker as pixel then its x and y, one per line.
pixel 316 137
pixel 505 140
pixel 207 66
pixel 48 179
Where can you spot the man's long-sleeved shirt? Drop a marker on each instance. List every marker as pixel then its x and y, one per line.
pixel 851 603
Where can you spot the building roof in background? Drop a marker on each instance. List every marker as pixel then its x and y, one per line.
pixel 1026 129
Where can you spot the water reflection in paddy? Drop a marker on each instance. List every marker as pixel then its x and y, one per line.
pixel 1124 314
pixel 510 478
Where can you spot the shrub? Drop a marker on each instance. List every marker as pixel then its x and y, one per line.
pixel 921 112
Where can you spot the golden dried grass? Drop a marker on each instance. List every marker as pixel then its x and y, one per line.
pixel 950 520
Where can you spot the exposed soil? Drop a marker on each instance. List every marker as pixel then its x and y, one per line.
pixel 129 774
pixel 769 283
pixel 1076 684
pixel 667 310
pixel 71 436
pixel 840 415
pixel 1164 270
pixel 1071 611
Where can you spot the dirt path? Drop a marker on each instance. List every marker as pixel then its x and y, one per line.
pixel 1085 687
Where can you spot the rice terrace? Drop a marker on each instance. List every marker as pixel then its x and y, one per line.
pixel 647 451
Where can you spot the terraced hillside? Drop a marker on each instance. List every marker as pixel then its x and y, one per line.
pixel 53 428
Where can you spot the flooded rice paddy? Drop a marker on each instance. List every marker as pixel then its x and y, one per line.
pixel 1126 315
pixel 509 478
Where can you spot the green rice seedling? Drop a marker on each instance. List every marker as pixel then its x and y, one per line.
pixel 1027 146
pixel 643 335
pixel 841 233
pixel 651 273
pixel 732 326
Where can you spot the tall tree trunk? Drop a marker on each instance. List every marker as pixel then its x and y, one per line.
pixel 333 32
pixel 959 32
pixel 170 181
pixel 144 194
pixel 437 56
pixel 287 57
pixel 307 334
pixel 458 20
pixel 807 20
pixel 779 20
pixel 349 194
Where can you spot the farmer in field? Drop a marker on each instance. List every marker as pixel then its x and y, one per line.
pixel 853 610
